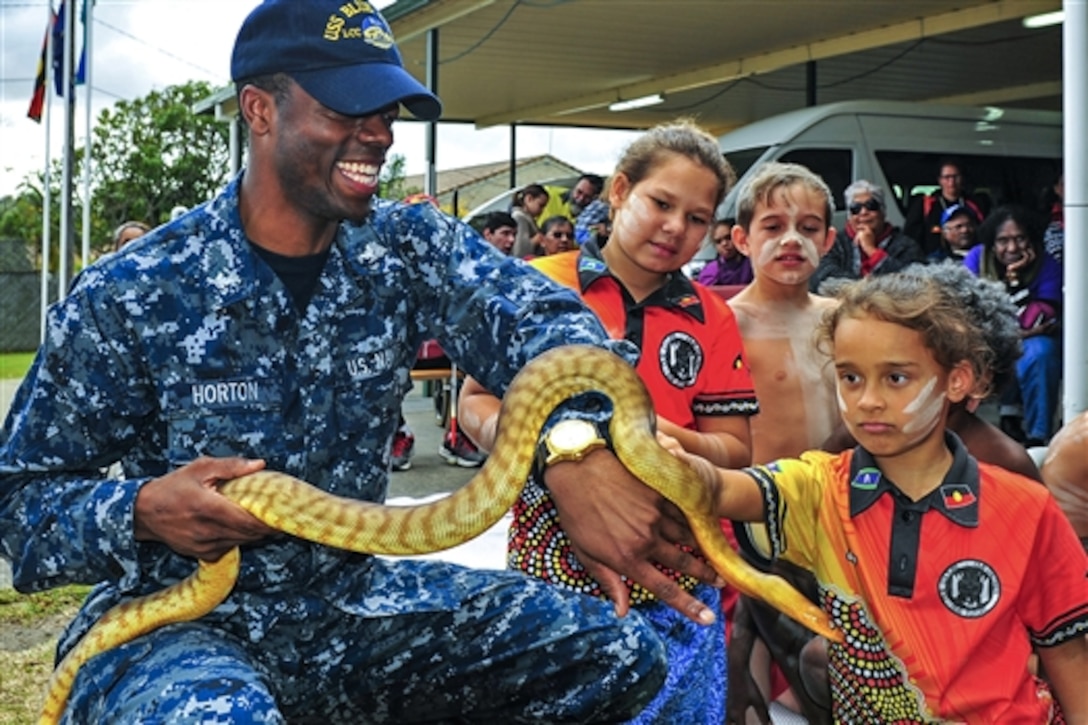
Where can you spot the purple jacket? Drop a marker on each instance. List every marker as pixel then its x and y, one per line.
pixel 722 271
pixel 1046 286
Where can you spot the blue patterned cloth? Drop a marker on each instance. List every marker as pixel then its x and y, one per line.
pixel 695 689
pixel 186 344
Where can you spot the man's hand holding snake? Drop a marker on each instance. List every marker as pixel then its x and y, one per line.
pixel 617 527
pixel 185 510
pixel 621 526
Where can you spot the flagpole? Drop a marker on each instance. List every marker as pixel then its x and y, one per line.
pixel 88 11
pixel 69 142
pixel 47 193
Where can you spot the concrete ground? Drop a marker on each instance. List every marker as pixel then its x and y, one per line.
pixel 429 473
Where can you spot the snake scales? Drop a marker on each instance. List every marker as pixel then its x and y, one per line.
pixel 297 508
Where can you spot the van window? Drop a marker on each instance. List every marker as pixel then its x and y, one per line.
pixel 995 180
pixel 835 167
pixel 742 159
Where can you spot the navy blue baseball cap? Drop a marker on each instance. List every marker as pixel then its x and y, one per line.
pixel 956 210
pixel 341 52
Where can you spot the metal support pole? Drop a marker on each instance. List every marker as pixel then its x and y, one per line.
pixel 810 83
pixel 88 25
pixel 1075 252
pixel 514 156
pixel 430 174
pixel 68 85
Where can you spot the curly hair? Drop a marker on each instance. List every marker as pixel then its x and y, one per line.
pixel 989 309
pixel 1030 224
pixel 922 302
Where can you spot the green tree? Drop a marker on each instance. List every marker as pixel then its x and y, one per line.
pixel 153 154
pixel 150 155
pixel 391 183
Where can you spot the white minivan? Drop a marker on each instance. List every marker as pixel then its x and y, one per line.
pixel 1008 155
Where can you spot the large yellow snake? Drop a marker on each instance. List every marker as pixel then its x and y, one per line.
pixel 297 508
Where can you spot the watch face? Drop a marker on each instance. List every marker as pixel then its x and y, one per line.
pixel 571 435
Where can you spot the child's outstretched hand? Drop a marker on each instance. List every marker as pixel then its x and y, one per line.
pixel 734 493
pixel 707 471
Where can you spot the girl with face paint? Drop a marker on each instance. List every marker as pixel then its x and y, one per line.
pixel 662 196
pixel 942 571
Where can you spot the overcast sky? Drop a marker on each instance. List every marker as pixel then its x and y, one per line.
pixel 143 45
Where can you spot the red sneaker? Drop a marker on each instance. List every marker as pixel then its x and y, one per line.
pixel 403 446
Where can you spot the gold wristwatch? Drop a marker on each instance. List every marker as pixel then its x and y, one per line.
pixel 570 440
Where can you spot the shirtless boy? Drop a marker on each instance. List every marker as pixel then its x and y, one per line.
pixel 783 226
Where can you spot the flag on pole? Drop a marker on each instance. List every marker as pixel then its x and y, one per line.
pixel 58 53
pixel 81 70
pixel 37 101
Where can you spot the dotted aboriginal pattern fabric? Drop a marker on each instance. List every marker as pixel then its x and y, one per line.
pixel 868 683
pixel 539 547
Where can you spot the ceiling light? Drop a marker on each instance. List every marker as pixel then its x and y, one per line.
pixel 1044 20
pixel 640 102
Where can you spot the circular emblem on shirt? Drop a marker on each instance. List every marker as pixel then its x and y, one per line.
pixel 969 588
pixel 681 359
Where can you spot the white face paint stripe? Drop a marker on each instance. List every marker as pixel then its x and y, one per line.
pixel 925 409
pixel 772 247
pixel 919 400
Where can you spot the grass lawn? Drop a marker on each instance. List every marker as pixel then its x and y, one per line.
pixel 30 625
pixel 13 365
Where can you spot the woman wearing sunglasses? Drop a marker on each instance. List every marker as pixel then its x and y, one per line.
pixel 868 244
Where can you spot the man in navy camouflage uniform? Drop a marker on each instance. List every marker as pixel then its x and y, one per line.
pixel 276 326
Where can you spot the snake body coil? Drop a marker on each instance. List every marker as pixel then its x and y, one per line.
pixel 295 507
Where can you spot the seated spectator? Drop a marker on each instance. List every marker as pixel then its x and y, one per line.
pixel 571 203
pixel 958 227
pixel 500 229
pixel 526 207
pixel 594 223
pixel 1011 252
pixel 923 222
pixel 558 236
pixel 868 244
pixel 127 232
pixel 1053 202
pixel 729 266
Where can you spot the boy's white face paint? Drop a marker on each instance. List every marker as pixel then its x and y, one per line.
pixel 924 412
pixel 791 242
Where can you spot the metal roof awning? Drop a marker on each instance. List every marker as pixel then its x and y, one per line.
pixel 724 62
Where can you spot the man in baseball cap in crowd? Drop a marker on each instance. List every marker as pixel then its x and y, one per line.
pixel 958 225
pixel 274 327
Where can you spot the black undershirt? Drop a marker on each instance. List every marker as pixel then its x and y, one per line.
pixel 298 274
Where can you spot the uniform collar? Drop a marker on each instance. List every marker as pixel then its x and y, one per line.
pixel 229 266
pixel 957 497
pixel 678 291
